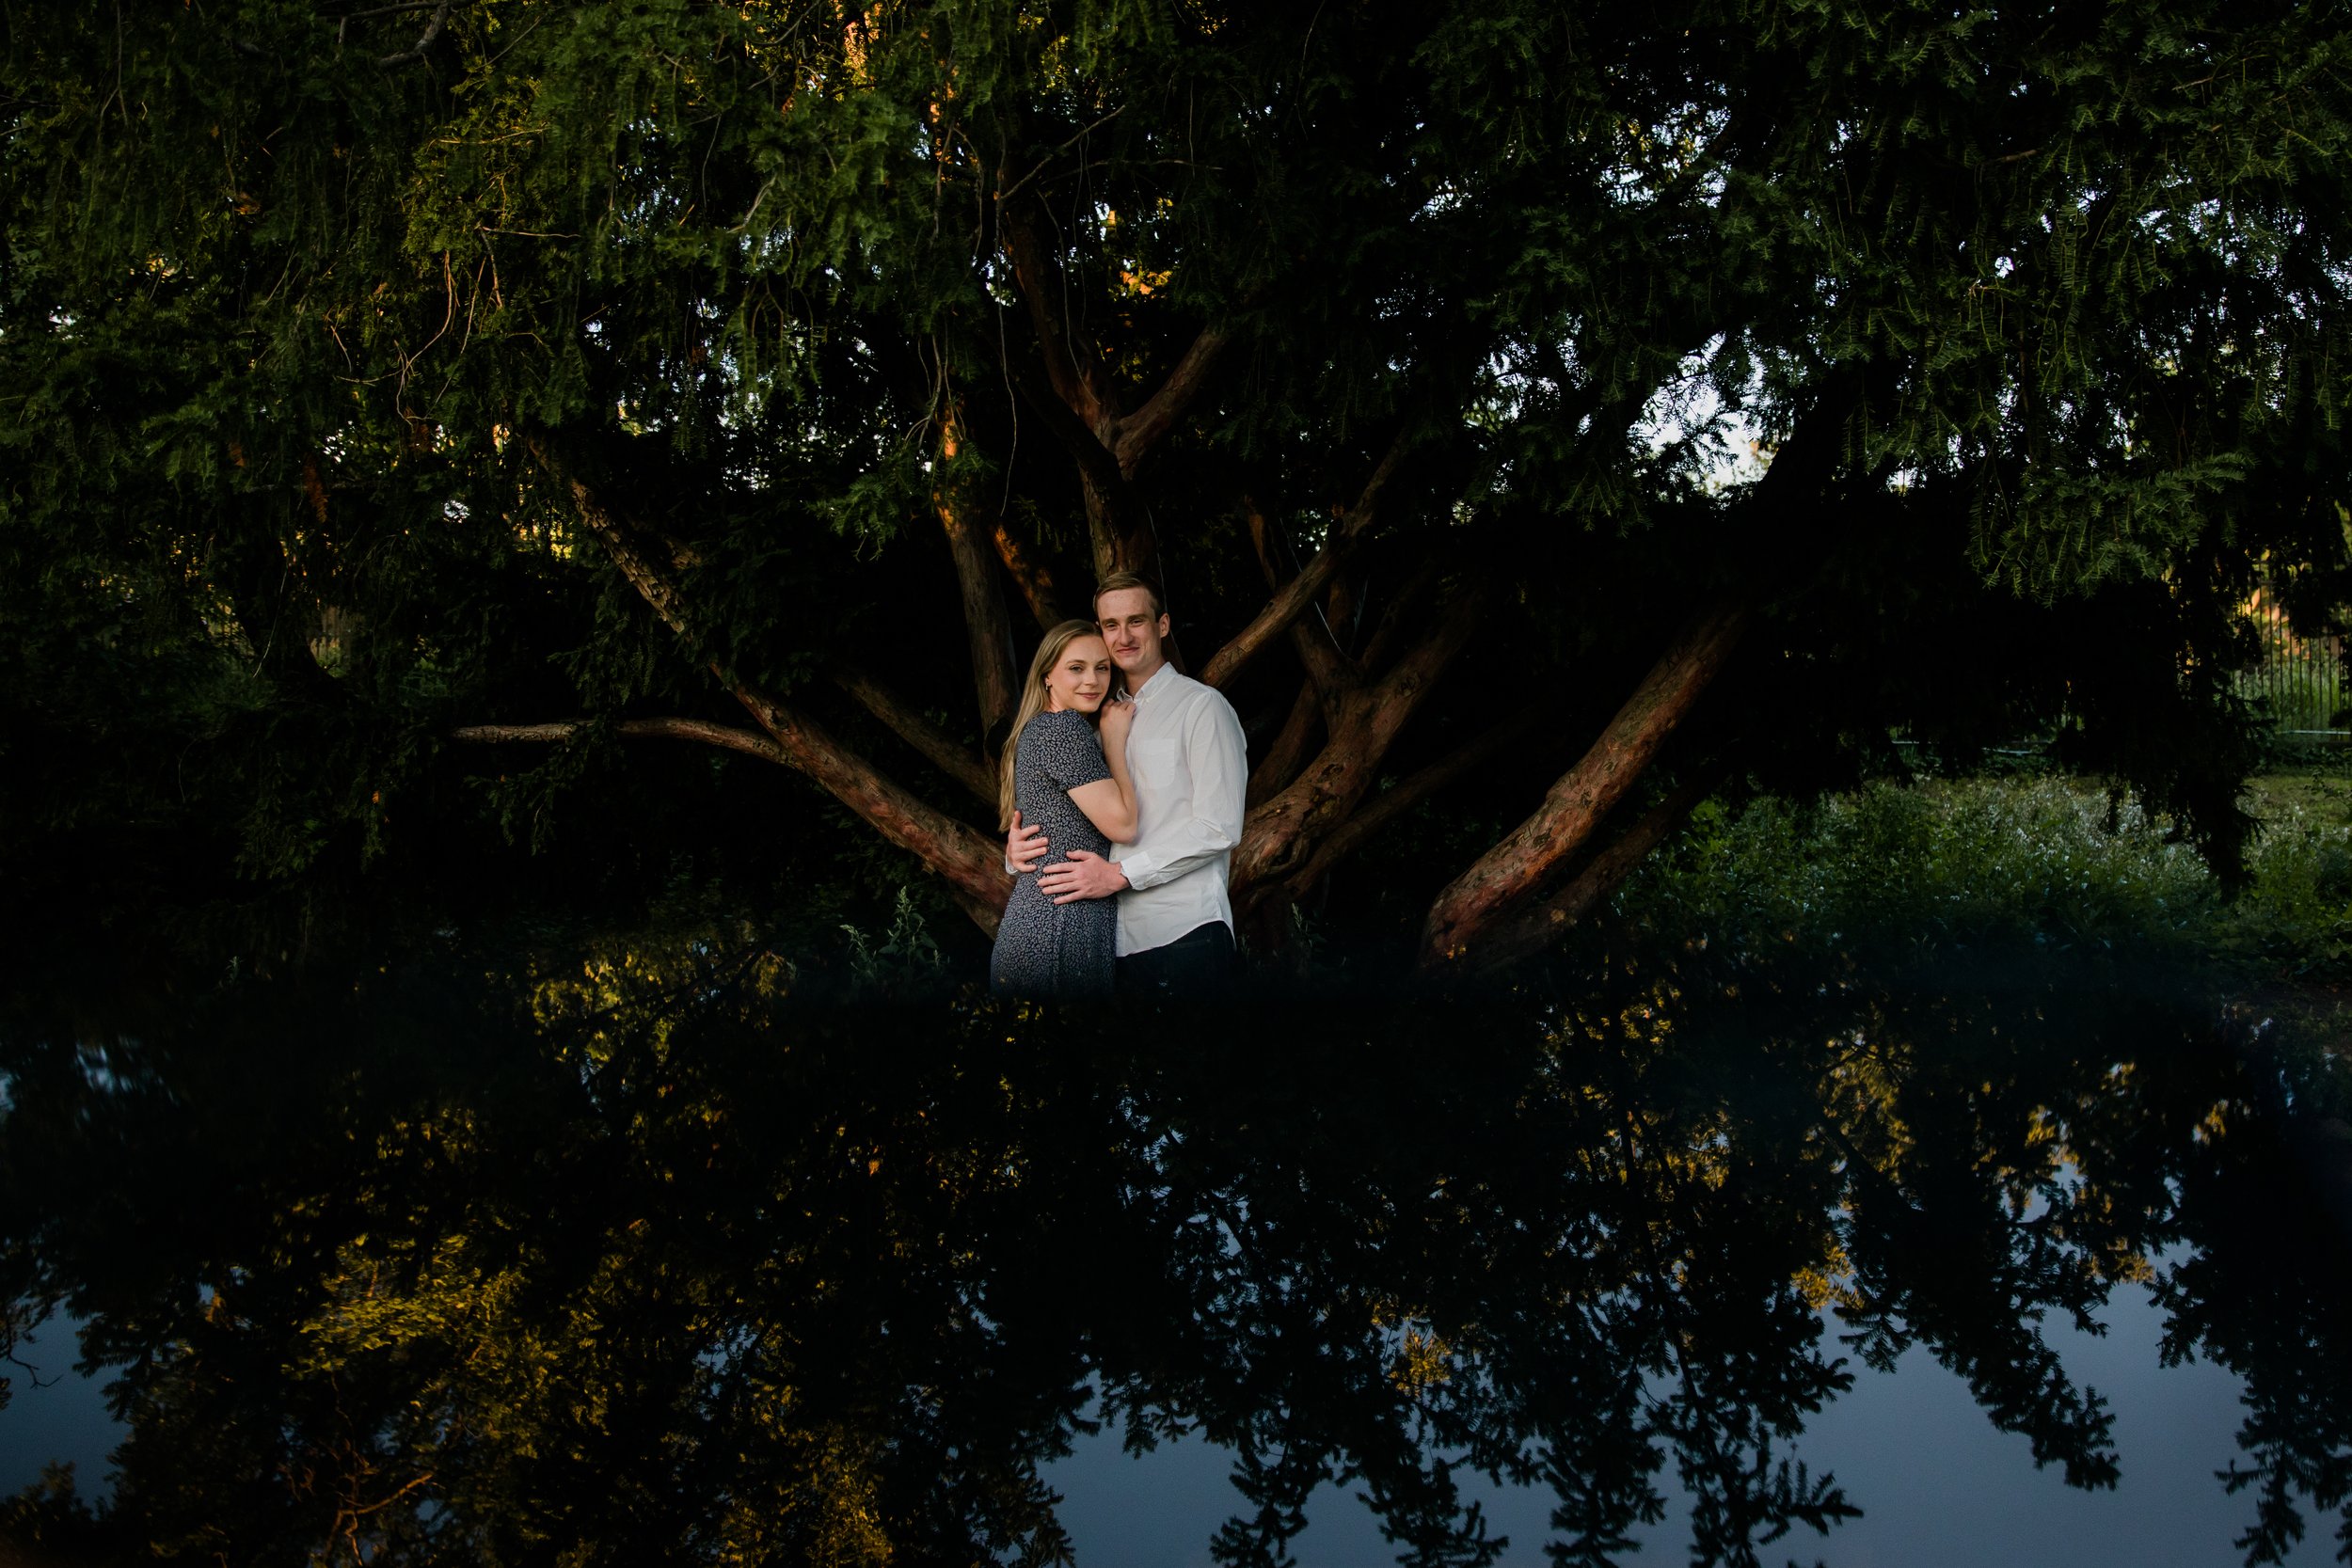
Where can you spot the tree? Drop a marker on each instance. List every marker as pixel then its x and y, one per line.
pixel 1540 419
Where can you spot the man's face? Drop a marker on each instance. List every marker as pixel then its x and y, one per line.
pixel 1132 630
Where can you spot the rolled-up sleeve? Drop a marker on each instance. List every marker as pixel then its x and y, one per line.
pixel 1216 756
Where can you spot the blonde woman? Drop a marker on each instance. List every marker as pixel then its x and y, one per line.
pixel 1059 774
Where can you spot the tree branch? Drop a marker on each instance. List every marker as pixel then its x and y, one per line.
pixel 1394 618
pixel 1272 621
pixel 1397 694
pixel 1328 667
pixel 1517 868
pixel 750 742
pixel 1082 400
pixel 1574 806
pixel 1110 508
pixel 1030 576
pixel 1283 832
pixel 1291 746
pixel 911 726
pixel 1292 600
pixel 971 863
pixel 1537 928
pixel 651 583
pixel 1409 792
pixel 416 51
pixel 987 628
pixel 1140 432
pixel 1331 673
pixel 1074 368
pixel 1359 517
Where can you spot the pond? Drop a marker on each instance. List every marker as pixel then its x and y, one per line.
pixel 648 1252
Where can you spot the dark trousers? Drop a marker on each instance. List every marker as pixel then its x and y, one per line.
pixel 1195 966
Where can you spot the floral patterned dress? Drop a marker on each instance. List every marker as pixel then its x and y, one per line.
pixel 1047 951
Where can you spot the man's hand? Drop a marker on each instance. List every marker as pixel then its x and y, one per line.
pixel 1024 846
pixel 1082 875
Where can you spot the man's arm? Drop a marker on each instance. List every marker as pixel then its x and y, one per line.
pixel 1218 756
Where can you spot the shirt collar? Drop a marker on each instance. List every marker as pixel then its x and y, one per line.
pixel 1158 683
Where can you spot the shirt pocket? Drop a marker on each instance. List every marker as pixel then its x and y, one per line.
pixel 1156 763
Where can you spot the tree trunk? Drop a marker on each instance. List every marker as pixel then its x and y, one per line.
pixel 1291 748
pixel 1530 932
pixel 1362 721
pixel 987 624
pixel 1030 576
pixel 1368 820
pixel 1516 869
pixel 1083 400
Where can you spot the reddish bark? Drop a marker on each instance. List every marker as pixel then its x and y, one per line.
pixel 1073 366
pixel 971 864
pixel 1395 802
pixel 1292 600
pixel 988 627
pixel 1290 748
pixel 1362 720
pixel 1083 405
pixel 750 742
pixel 1519 869
pixel 1274 619
pixel 1531 931
pixel 1030 576
pixel 1396 621
pixel 1138 433
pixel 910 725
pixel 1516 869
pixel 1301 820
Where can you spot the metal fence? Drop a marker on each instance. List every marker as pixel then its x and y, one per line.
pixel 2300 681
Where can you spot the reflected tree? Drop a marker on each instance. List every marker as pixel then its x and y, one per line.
pixel 655 1251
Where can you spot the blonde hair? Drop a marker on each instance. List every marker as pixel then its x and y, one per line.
pixel 1032 703
pixel 1118 581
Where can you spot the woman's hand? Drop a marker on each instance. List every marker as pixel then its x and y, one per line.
pixel 1117 719
pixel 1110 803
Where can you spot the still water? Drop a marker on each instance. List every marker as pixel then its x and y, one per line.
pixel 629 1254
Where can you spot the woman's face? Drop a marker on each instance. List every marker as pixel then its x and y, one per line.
pixel 1080 678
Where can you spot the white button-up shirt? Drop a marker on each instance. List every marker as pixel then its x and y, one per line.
pixel 1190 766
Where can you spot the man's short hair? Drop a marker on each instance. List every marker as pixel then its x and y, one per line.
pixel 1118 581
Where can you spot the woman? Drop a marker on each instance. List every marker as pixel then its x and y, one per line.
pixel 1059 776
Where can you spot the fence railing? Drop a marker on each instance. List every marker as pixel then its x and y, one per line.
pixel 2301 681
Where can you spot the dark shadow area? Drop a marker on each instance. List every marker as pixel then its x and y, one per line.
pixel 630 1253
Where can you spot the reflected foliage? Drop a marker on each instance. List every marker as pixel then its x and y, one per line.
pixel 630 1252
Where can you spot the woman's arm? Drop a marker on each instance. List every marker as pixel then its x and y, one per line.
pixel 1214 757
pixel 1110 803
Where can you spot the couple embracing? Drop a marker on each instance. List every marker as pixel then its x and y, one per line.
pixel 1120 794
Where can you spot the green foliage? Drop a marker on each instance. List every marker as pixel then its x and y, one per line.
pixel 906 957
pixel 2037 858
pixel 282 325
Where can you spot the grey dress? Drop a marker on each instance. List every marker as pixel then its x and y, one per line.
pixel 1047 951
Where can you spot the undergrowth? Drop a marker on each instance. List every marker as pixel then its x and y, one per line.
pixel 2050 861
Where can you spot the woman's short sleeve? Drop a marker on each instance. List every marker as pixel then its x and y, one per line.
pixel 1068 748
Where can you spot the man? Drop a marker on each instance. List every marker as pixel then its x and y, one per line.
pixel 1188 759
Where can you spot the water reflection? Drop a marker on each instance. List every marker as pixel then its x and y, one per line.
pixel 651 1258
